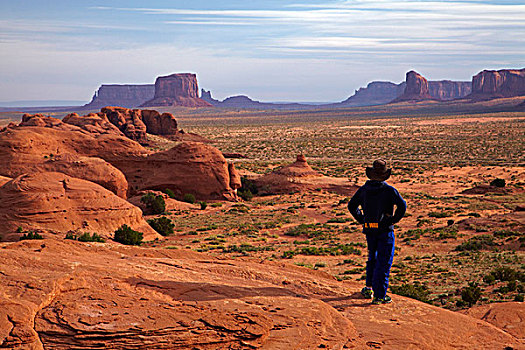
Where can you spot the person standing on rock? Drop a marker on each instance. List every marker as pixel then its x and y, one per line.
pixel 373 207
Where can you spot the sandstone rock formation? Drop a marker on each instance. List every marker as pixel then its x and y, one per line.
pixel 188 167
pixel 57 202
pixel 206 96
pixel 300 177
pixel 382 92
pixel 490 84
pixel 177 90
pixel 244 102
pixel 416 88
pixel 128 96
pixel 449 90
pixel 375 93
pixel 129 121
pixel 59 294
pixel 507 316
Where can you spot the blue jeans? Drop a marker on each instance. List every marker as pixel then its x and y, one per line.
pixel 380 257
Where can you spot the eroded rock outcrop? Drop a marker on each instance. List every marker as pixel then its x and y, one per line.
pixel 57 202
pixel 188 167
pixel 177 90
pixel 490 84
pixel 59 294
pixel 416 88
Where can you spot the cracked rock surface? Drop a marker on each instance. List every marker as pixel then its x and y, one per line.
pixel 58 294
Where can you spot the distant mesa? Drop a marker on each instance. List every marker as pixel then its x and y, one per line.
pixel 244 102
pixel 129 96
pixel 177 90
pixel 415 88
pixel 490 84
pixel 375 93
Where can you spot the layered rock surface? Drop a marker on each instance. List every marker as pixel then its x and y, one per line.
pixel 449 90
pixel 490 84
pixel 60 294
pixel 375 93
pixel 416 88
pixel 57 202
pixel 128 96
pixel 177 90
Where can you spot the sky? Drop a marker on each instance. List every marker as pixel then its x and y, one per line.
pixel 270 50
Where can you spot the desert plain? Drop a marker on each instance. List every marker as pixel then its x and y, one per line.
pixel 280 266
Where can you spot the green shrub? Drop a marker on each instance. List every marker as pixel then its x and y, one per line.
pixel 169 192
pixel 498 183
pixel 154 204
pixel 505 273
pixel 128 236
pixel 86 237
pixel 471 294
pixel 519 297
pixel 19 229
pixel 189 198
pixel 162 225
pixel 203 205
pixel 439 214
pixel 245 194
pixel 414 291
pixel 476 243
pixel 31 235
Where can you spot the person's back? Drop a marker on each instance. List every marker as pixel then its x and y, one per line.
pixel 373 207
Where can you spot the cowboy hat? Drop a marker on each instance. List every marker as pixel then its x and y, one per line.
pixel 378 171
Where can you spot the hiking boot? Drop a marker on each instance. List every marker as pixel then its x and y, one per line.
pixel 385 300
pixel 366 292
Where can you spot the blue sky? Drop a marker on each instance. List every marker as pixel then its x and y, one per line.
pixel 270 50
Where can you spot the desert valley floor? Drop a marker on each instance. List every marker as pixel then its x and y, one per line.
pixel 282 269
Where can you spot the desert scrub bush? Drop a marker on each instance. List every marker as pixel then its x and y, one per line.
pixel 244 247
pixel 248 189
pixel 505 273
pixel 189 198
pixel 126 235
pixel 471 294
pixel 439 214
pixel 507 233
pixel 338 220
pixel 498 183
pixel 476 243
pixel 31 235
pixel 19 229
pixel 169 192
pixel 203 205
pixel 415 291
pixel 239 208
pixel 85 237
pixel 154 204
pixel 162 225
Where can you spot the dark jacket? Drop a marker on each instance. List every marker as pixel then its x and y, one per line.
pixel 377 200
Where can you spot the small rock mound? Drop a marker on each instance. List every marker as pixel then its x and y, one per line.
pixel 57 202
pixel 507 316
pixel 300 177
pixel 300 168
pixel 482 189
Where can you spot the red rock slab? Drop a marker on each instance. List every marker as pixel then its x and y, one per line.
pixel 506 316
pixel 57 202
